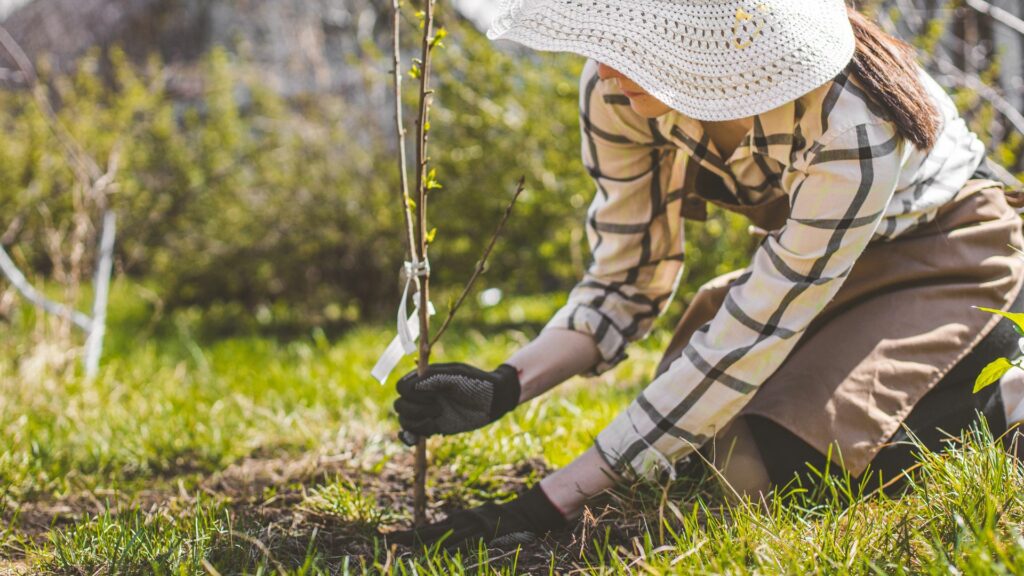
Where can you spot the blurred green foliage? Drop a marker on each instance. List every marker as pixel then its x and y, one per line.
pixel 263 211
pixel 242 202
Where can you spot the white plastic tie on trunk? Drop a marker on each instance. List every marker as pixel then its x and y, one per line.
pixel 404 342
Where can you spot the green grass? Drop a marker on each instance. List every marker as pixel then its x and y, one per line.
pixel 134 542
pixel 251 455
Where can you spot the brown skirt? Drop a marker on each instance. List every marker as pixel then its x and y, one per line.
pixel 901 320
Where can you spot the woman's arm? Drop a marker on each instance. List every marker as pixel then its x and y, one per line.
pixel 635 231
pixel 634 224
pixel 569 488
pixel 552 358
pixel 635 235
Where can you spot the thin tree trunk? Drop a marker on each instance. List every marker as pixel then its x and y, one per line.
pixel 422 124
pixel 94 343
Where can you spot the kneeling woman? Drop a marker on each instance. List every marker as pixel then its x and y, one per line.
pixel 882 225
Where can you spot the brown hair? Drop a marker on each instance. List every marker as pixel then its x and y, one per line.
pixel 887 68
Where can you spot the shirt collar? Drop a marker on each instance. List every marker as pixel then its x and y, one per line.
pixel 688 133
pixel 772 135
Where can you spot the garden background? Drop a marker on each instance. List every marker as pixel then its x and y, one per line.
pixel 233 426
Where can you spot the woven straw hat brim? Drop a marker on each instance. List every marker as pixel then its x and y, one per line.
pixel 708 59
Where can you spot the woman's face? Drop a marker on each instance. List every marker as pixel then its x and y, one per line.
pixel 639 100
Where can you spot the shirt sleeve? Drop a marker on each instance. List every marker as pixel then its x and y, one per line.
pixel 837 203
pixel 633 225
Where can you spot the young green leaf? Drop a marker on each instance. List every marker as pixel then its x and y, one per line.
pixel 431 235
pixel 430 180
pixel 992 373
pixel 1016 317
pixel 410 203
pixel 441 34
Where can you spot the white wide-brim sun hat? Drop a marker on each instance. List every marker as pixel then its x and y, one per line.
pixel 708 59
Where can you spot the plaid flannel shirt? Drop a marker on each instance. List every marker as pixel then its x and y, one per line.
pixel 850 180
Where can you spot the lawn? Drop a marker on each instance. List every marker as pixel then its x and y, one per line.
pixel 259 454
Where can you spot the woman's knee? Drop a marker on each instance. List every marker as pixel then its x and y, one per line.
pixel 735 455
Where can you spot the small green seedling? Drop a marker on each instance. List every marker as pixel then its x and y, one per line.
pixel 997 368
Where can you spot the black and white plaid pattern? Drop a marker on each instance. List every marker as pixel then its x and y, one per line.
pixel 850 180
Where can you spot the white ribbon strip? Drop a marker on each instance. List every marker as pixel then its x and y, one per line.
pixel 408 325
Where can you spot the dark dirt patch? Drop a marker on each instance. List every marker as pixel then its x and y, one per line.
pixel 288 530
pixel 265 498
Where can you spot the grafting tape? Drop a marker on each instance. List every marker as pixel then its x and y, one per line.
pixel 404 342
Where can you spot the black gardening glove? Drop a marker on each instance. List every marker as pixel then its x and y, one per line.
pixel 453 398
pixel 499 525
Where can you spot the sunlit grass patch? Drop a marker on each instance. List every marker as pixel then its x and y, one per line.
pixel 135 542
pixel 293 447
pixel 961 512
pixel 351 505
pixel 166 406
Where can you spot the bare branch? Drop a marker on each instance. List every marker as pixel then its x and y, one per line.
pixel 86 168
pixel 18 280
pixel 481 263
pixel 13 229
pixel 93 186
pixel 983 90
pixel 403 169
pixel 108 179
pixel 11 78
pixel 965 78
pixel 998 14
